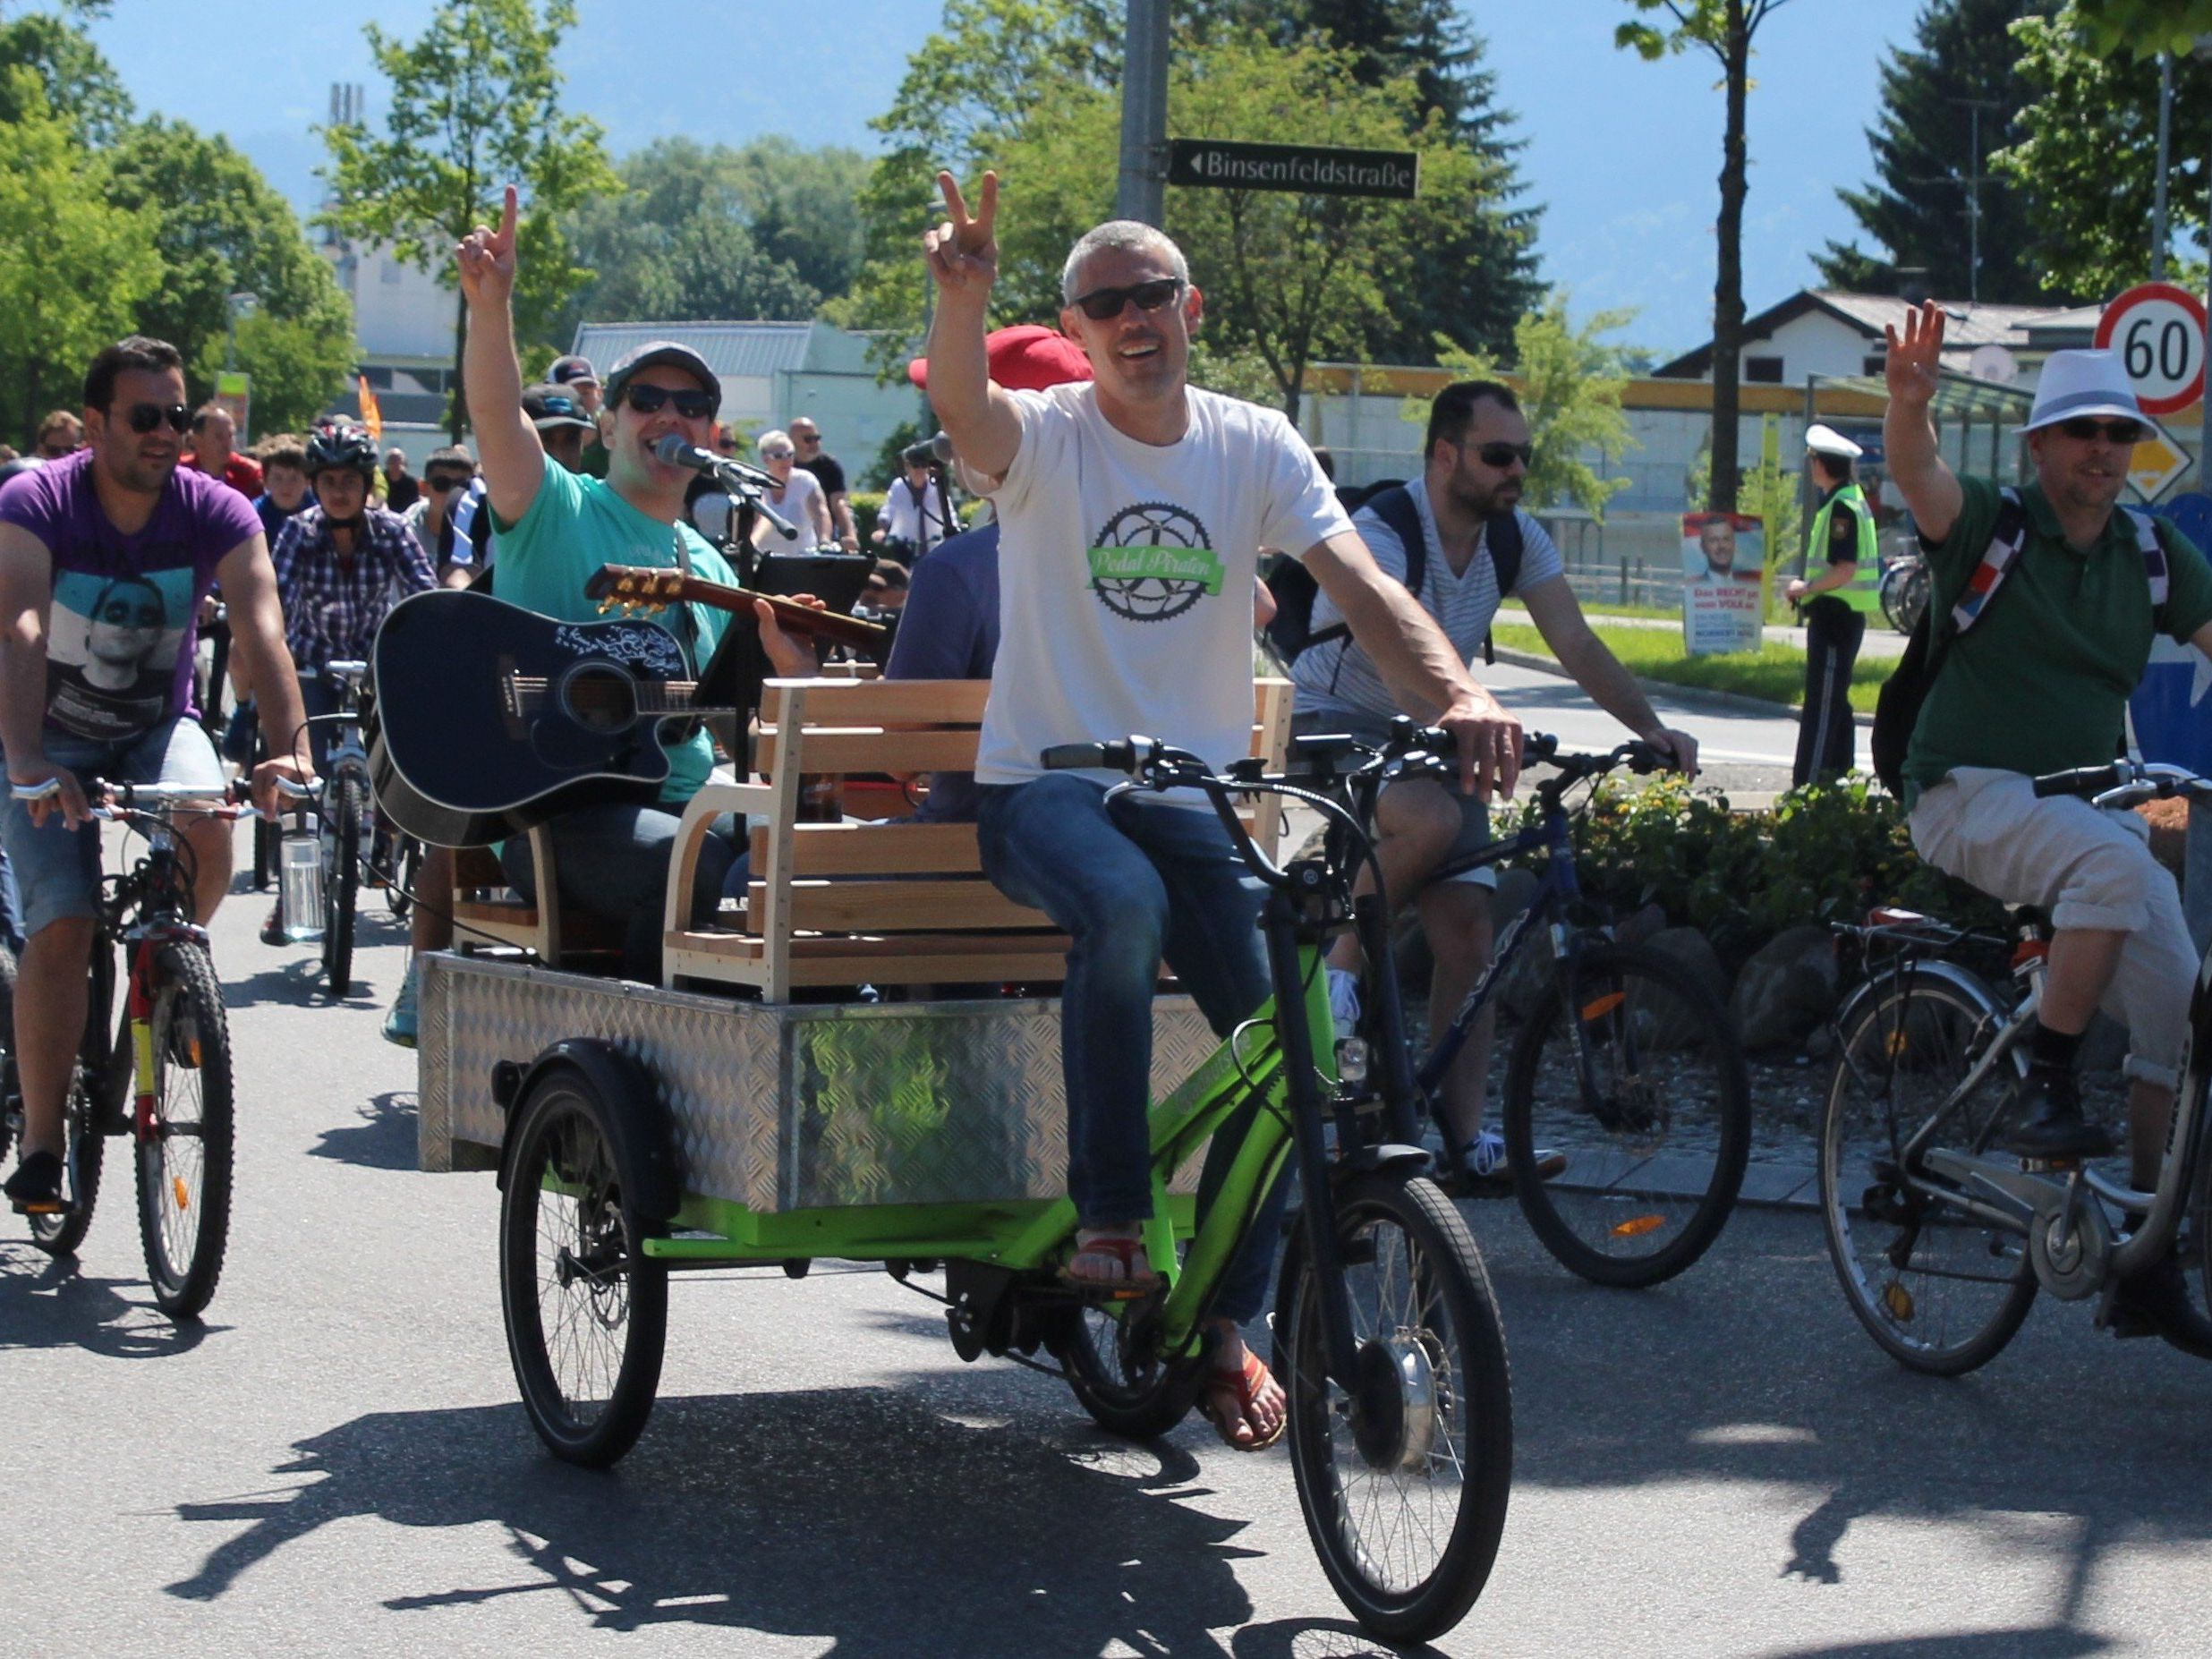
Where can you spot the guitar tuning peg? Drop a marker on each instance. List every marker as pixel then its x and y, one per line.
pixel 605 606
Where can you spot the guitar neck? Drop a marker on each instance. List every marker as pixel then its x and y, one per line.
pixel 792 617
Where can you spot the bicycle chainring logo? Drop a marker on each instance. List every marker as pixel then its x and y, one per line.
pixel 1153 561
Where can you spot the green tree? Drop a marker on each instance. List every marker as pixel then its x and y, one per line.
pixel 1724 28
pixel 2087 156
pixel 2144 27
pixel 1924 153
pixel 77 265
pixel 223 229
pixel 475 107
pixel 1569 383
pixel 80 85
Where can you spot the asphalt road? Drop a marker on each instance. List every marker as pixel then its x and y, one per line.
pixel 335 1462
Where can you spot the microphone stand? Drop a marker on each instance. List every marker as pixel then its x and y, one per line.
pixel 944 510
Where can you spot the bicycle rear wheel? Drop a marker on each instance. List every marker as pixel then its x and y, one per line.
pixel 1403 1483
pixel 1127 1389
pixel 1940 1291
pixel 1633 1071
pixel 185 1157
pixel 341 874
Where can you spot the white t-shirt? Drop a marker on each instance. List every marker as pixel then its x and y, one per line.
pixel 906 518
pixel 1338 677
pixel 1126 572
pixel 793 506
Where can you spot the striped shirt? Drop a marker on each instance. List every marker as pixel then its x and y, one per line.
pixel 1338 678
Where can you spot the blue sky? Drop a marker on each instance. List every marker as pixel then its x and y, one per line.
pixel 1624 154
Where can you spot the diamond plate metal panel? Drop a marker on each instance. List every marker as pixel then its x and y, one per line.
pixel 783 1107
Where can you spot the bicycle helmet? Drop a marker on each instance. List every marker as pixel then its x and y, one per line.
pixel 342 446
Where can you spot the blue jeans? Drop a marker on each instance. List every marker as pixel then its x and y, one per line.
pixel 1131 883
pixel 612 861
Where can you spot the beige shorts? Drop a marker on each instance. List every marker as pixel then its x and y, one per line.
pixel 2090 869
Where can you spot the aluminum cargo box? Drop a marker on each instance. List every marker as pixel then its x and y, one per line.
pixel 786 1106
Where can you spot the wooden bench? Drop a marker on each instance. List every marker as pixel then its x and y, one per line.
pixel 880 903
pixel 488 914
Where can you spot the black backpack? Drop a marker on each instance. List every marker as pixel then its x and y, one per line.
pixel 1897 705
pixel 1292 632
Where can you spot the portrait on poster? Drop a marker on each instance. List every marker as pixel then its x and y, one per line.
pixel 1723 558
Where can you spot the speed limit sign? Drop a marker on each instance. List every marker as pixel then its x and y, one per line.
pixel 2158 331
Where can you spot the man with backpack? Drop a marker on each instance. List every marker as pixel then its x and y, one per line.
pixel 2043 610
pixel 1458 541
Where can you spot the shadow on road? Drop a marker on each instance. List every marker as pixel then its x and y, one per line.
pixel 46 1302
pixel 860 1514
pixel 382 1137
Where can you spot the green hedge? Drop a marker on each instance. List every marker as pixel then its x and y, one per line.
pixel 1823 854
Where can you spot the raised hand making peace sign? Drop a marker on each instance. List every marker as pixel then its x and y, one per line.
pixel 963 253
pixel 487 259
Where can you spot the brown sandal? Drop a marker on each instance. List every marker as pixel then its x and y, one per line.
pixel 1136 1276
pixel 1244 1383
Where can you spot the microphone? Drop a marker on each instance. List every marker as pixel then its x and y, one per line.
pixel 940 446
pixel 734 475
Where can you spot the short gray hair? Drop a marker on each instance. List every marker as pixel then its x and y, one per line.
pixel 1120 233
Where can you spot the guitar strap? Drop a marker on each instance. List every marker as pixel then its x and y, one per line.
pixel 687 629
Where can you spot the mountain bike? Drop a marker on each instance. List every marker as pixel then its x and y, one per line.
pixel 163 1078
pixel 1939 1241
pixel 344 814
pixel 1620 1058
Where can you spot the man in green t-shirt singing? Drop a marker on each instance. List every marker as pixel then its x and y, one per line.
pixel 2040 685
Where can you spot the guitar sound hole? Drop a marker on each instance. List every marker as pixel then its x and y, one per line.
pixel 600 698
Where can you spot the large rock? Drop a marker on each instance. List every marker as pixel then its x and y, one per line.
pixel 1787 989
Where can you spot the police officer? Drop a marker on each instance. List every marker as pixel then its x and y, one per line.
pixel 1835 604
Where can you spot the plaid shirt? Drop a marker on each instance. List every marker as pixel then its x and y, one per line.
pixel 331 608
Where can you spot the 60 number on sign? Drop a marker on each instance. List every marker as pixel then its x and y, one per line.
pixel 2159 333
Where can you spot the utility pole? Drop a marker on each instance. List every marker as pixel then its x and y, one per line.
pixel 1972 182
pixel 1143 193
pixel 2165 162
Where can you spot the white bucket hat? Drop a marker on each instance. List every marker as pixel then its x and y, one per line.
pixel 2083 383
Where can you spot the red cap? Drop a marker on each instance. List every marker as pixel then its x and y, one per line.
pixel 1024 358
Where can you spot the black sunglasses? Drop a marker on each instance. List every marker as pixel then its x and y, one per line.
pixel 1104 304
pixel 2081 428
pixel 446 480
pixel 1500 455
pixel 143 418
pixel 692 405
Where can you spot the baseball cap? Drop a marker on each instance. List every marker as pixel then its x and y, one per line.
pixel 567 371
pixel 550 406
pixel 658 351
pixel 1024 358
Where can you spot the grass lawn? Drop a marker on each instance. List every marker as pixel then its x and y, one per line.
pixel 1776 673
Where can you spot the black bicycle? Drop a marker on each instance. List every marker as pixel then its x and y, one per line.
pixel 163 1078
pixel 1619 1056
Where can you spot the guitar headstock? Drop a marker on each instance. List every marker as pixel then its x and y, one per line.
pixel 631 589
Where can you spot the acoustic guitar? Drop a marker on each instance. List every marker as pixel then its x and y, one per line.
pixel 490 718
pixel 634 588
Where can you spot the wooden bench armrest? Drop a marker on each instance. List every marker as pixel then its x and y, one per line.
pixel 715 797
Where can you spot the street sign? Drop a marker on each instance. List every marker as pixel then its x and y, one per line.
pixel 233 390
pixel 1306 169
pixel 2158 331
pixel 2157 463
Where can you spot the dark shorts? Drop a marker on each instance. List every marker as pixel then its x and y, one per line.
pixel 1474 812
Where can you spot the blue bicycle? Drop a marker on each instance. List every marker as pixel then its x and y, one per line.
pixel 1619 1056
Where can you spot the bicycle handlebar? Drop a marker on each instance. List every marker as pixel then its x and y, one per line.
pixel 2124 783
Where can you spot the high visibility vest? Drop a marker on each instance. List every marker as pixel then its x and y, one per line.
pixel 1863 591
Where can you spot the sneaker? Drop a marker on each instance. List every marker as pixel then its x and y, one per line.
pixel 36 1186
pixel 2048 1121
pixel 399 1024
pixel 273 929
pixel 1344 1000
pixel 1483 1170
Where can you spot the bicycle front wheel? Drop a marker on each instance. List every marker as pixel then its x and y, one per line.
pixel 341 854
pixel 1940 1291
pixel 1632 1070
pixel 1403 1480
pixel 405 870
pixel 185 1154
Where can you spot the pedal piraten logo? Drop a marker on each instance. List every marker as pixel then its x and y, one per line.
pixel 1153 561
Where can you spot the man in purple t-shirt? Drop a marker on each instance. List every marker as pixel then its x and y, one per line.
pixel 105 558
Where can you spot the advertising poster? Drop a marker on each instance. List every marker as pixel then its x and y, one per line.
pixel 1723 597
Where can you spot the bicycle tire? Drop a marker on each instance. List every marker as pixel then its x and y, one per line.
pixel 184 1164
pixel 1656 1152
pixel 1424 1317
pixel 566 1212
pixel 1878 1231
pixel 341 858
pixel 266 838
pixel 406 856
pixel 1127 1390
pixel 83 1148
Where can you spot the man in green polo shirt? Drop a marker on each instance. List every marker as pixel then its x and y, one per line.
pixel 2040 685
pixel 555 528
